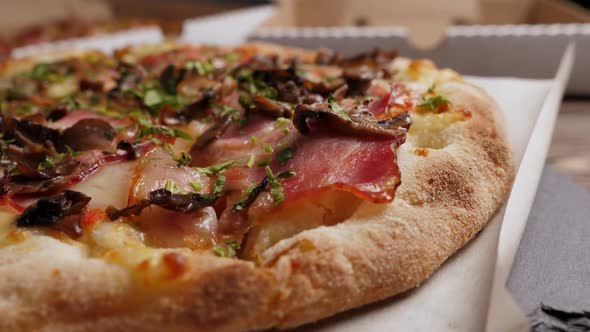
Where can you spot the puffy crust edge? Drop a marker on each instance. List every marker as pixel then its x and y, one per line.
pixel 48 285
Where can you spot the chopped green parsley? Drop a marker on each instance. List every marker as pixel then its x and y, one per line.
pixel 217 168
pixel 183 159
pixel 434 103
pixel 227 250
pixel 284 155
pixel 333 104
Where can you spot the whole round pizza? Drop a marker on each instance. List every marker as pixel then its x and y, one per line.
pixel 197 188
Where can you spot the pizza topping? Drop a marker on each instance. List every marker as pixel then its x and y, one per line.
pixel 437 104
pixel 89 134
pixel 359 71
pixel 169 200
pixel 228 250
pixel 222 138
pixel 274 109
pixel 358 121
pixel 62 211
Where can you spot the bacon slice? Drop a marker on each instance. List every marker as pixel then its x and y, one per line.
pixel 73 117
pixel 390 101
pixel 363 166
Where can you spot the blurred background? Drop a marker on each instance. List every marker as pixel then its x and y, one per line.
pixel 449 31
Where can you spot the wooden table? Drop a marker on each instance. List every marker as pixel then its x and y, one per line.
pixel 570 148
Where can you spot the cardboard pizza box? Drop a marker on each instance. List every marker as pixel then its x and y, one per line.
pixel 476 37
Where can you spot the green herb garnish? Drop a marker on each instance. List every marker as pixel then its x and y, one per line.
pixel 281 121
pixel 284 156
pixel 146 128
pixel 183 159
pixel 172 187
pixel 333 105
pixel 434 103
pixel 219 184
pixel 41 71
pixel 267 148
pixel 276 189
pixel 286 174
pixel 231 112
pixel 217 168
pixel 153 99
pixel 228 250
pixel 231 57
pixel 201 67
pixel 251 160
pixel 243 100
pixel 263 163
pixel 70 103
pixel 431 89
pixel 196 186
pixel 269 92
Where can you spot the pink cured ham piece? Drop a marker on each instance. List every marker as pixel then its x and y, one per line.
pixel 391 102
pixel 364 167
pixel 71 118
pixel 156 169
pixel 170 228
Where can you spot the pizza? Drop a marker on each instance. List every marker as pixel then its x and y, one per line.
pixel 74 27
pixel 200 188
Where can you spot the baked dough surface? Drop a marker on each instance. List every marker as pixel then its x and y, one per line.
pixel 453 179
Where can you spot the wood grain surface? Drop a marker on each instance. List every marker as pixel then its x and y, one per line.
pixel 570 148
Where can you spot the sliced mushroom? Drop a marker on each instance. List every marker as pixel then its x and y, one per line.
pixel 61 211
pixel 272 108
pixel 89 134
pixel 320 116
pixel 184 203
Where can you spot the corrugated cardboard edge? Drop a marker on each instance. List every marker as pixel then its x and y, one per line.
pixel 525 186
pixel 453 31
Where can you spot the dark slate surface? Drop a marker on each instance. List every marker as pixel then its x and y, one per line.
pixel 550 277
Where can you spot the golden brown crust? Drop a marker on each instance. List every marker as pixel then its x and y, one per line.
pixel 447 195
pixel 54 286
